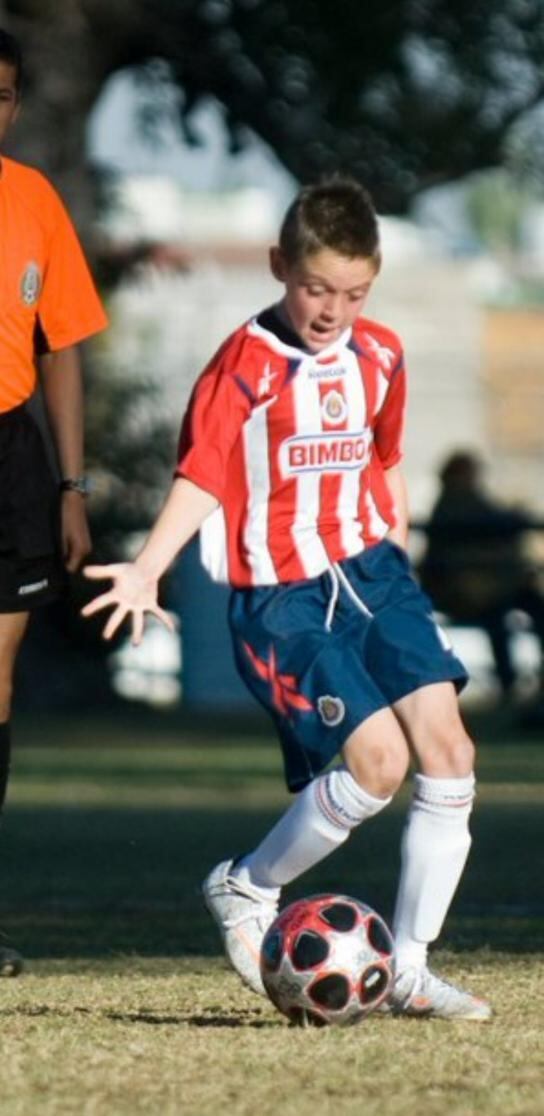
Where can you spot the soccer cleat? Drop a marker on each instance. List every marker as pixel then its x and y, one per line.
pixel 421 994
pixel 11 962
pixel 243 918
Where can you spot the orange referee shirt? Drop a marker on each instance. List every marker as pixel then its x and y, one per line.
pixel 48 298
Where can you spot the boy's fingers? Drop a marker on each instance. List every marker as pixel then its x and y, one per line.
pixel 114 622
pixel 137 627
pixel 98 603
pixel 164 617
pixel 98 573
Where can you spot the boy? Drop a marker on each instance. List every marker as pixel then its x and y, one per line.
pixel 48 305
pixel 289 461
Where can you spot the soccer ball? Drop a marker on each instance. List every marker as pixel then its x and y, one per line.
pixel 327 959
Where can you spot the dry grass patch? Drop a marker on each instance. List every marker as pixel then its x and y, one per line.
pixel 159 1036
pixel 103 848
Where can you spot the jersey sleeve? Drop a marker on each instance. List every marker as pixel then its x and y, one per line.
pixel 218 408
pixel 389 430
pixel 69 308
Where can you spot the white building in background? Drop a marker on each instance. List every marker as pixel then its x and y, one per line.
pixel 153 208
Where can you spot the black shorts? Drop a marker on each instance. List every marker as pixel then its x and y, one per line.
pixel 31 568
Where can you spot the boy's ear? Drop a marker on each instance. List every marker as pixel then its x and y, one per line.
pixel 278 265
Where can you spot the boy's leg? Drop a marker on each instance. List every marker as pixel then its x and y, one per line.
pixel 375 758
pixel 12 629
pixel 435 847
pixel 243 896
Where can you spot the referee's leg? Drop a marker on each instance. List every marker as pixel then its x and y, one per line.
pixel 12 629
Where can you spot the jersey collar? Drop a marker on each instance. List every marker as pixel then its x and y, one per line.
pixel 279 345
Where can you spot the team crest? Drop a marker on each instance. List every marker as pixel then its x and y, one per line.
pixel 31 284
pixel 333 408
pixel 331 710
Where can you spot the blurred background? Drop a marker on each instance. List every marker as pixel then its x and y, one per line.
pixel 177 132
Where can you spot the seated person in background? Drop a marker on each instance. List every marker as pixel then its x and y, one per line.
pixel 474 567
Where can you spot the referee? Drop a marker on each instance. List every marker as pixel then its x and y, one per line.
pixel 48 305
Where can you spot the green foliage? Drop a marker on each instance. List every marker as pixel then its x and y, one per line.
pixel 524 152
pixel 496 205
pixel 500 206
pixel 130 454
pixel 404 95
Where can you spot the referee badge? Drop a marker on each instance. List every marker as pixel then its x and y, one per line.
pixel 31 283
pixel 331 710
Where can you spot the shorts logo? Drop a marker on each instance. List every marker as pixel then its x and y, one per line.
pixel 284 688
pixel 331 710
pixel 32 587
pixel 31 283
pixel 333 408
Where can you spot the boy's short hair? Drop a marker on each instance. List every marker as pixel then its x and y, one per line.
pixel 11 53
pixel 336 213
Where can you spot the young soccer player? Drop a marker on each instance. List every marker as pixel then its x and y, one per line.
pixel 289 462
pixel 48 305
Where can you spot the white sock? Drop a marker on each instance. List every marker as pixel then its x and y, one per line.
pixel 319 820
pixel 435 846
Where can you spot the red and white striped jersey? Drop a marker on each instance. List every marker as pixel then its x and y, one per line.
pixel 294 446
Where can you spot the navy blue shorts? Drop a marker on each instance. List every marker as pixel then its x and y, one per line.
pixel 319 683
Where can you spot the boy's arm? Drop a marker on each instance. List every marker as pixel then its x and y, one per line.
pixel 60 376
pixel 135 584
pixel 396 484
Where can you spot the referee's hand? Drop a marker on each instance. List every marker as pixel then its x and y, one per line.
pixel 76 538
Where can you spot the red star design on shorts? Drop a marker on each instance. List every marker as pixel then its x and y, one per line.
pixel 284 687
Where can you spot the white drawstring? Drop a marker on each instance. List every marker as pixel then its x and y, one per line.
pixel 350 590
pixel 333 600
pixel 338 578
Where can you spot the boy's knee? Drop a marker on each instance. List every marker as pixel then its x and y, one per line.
pixel 379 768
pixel 447 752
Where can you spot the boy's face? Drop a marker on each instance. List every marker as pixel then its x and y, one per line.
pixel 324 293
pixel 9 98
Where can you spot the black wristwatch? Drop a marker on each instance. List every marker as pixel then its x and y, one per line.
pixel 75 484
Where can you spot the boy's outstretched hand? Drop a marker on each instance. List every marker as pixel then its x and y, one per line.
pixel 131 592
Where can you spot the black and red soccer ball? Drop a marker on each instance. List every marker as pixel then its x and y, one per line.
pixel 327 959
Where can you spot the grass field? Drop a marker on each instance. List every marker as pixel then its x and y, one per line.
pixel 126 1005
